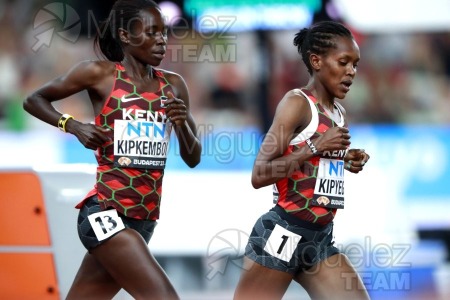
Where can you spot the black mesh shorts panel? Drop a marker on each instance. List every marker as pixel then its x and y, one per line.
pixel 313 247
pixel 87 236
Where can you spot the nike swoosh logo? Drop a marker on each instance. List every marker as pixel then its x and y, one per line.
pixel 123 99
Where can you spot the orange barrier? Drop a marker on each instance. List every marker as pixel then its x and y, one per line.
pixel 27 276
pixel 26 270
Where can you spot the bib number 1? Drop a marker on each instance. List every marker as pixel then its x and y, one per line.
pixel 106 223
pixel 282 243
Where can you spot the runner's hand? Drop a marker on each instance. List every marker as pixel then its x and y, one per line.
pixel 176 110
pixel 355 160
pixel 335 138
pixel 90 135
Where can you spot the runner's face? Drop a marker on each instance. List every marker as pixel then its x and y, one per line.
pixel 338 67
pixel 148 37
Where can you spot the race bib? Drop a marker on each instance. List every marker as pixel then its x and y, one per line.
pixel 282 243
pixel 106 223
pixel 329 189
pixel 141 144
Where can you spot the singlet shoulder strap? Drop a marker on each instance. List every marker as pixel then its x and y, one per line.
pixel 120 67
pixel 313 124
pixel 158 72
pixel 341 115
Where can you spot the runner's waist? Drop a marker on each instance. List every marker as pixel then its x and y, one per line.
pixel 294 220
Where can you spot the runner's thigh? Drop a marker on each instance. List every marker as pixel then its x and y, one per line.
pixel 333 278
pixel 128 260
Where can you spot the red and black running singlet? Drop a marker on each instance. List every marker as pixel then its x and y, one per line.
pixel 131 167
pixel 315 190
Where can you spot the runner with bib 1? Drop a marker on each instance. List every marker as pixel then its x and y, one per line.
pixel 303 156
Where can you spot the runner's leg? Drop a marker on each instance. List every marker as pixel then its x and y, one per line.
pixel 333 278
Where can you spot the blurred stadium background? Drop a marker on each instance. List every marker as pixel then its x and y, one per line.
pixel 238 60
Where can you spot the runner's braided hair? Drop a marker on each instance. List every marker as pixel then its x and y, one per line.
pixel 318 39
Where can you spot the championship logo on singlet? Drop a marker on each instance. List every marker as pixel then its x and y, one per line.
pixel 141 139
pixel 329 189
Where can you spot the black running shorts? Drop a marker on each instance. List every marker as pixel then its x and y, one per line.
pixel 87 235
pixel 277 243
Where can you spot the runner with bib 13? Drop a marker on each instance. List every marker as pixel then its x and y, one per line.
pixel 136 107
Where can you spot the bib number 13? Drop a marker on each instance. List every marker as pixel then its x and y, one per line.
pixel 282 243
pixel 106 223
